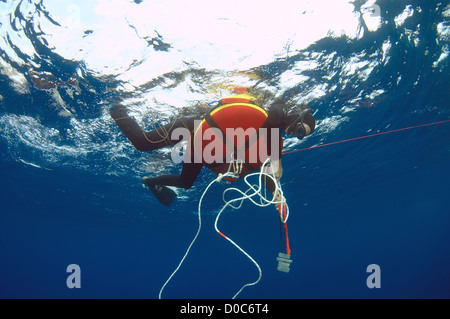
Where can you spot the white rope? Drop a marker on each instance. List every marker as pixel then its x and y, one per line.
pixel 179 265
pixel 263 201
pixel 257 191
pixel 192 242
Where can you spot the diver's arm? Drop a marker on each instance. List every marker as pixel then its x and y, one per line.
pixel 276 115
pixel 278 172
pixel 277 169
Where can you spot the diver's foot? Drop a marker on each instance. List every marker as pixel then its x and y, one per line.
pixel 162 193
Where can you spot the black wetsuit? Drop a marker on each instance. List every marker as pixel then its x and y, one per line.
pixel 161 137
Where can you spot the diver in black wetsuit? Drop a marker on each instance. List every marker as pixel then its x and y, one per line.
pixel 297 121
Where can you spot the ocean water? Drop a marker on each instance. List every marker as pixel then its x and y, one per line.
pixel 71 190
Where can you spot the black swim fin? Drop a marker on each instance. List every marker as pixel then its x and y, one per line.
pixel 163 194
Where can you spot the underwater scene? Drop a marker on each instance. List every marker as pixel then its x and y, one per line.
pixel 367 191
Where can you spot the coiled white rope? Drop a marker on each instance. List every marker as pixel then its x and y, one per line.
pixel 277 198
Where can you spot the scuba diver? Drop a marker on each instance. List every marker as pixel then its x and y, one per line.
pixel 256 131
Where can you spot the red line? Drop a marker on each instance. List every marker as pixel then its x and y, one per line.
pixel 222 234
pixel 366 136
pixel 288 248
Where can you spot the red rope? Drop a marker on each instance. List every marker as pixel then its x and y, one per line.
pixel 366 136
pixel 283 214
pixel 288 249
pixel 282 209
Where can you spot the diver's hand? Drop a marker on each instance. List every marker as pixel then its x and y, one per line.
pixel 281 208
pixel 280 205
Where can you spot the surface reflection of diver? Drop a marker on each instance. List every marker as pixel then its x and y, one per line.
pixel 231 112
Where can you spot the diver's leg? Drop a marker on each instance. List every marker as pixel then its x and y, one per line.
pixel 147 141
pixel 165 195
pixel 185 180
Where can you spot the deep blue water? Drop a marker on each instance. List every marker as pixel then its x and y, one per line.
pixel 381 200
